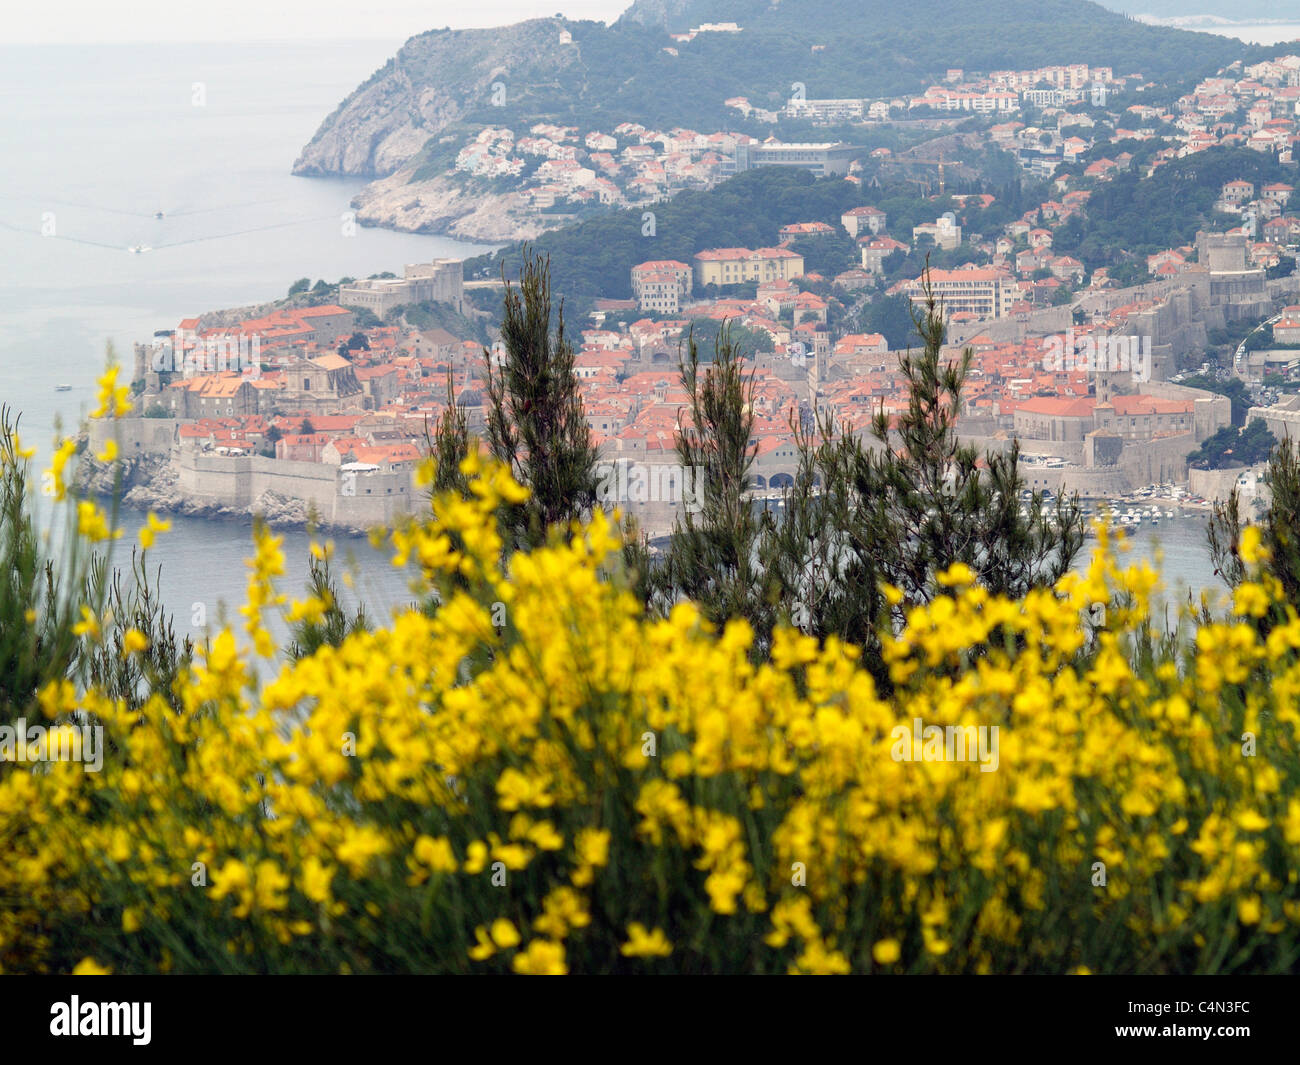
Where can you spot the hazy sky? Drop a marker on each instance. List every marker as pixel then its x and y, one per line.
pixel 88 21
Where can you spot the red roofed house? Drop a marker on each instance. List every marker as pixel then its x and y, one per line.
pixel 734 266
pixel 1049 418
pixel 1144 417
pixel 795 230
pixel 860 219
pixel 661 285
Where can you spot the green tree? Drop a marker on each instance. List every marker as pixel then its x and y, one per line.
pixel 1279 526
pixel 535 421
pixel 39 602
pixel 1235 447
pixel 713 556
pixel 1235 389
pixel 334 625
pixel 902 506
pixel 449 446
pixel 891 317
pixel 272 436
pixel 301 285
pixel 931 502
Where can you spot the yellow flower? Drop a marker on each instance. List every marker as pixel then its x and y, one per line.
pixel 476 856
pixel 88 625
pixel 56 485
pixel 315 879
pixel 484 947
pixel 592 846
pixel 435 853
pixel 90 967
pixel 1249 910
pixel 134 641
pixel 542 958
pixel 886 951
pixel 92 524
pixel 957 575
pixel 109 454
pixel 113 400
pixel 152 526
pixel 643 944
pixel 1249 598
pixel 1249 547
pixel 504 934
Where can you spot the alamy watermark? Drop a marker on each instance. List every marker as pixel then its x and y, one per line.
pixel 947 743
pixel 57 743
pixel 233 352
pixel 625 481
pixel 1098 354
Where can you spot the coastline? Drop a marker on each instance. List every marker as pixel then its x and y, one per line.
pixel 153 482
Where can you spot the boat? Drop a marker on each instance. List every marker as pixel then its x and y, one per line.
pixel 62 388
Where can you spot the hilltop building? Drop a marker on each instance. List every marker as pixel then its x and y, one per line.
pixel 441 281
pixel 661 285
pixel 821 159
pixel 984 293
pixel 734 266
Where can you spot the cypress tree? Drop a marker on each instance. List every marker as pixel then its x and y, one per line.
pixel 535 418
pixel 713 557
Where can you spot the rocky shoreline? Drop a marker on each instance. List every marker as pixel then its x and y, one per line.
pixel 443 206
pixel 151 483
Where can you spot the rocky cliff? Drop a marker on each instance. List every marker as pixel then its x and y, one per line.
pixel 445 205
pixel 435 79
pixel 407 122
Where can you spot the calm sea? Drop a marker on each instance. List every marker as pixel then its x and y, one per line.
pixel 97 141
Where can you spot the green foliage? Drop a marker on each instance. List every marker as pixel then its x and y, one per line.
pixel 134 603
pixel 1235 447
pixel 334 624
pixel 595 258
pixel 867 48
pixel 365 318
pixel 1234 388
pixel 713 557
pixel 301 285
pixel 1279 526
pixel 449 446
pixel 431 314
pixel 535 418
pixel 827 255
pixel 898 508
pixel 38 602
pixel 932 502
pixel 1132 216
pixel 707 334
pixel 42 597
pixel 891 317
